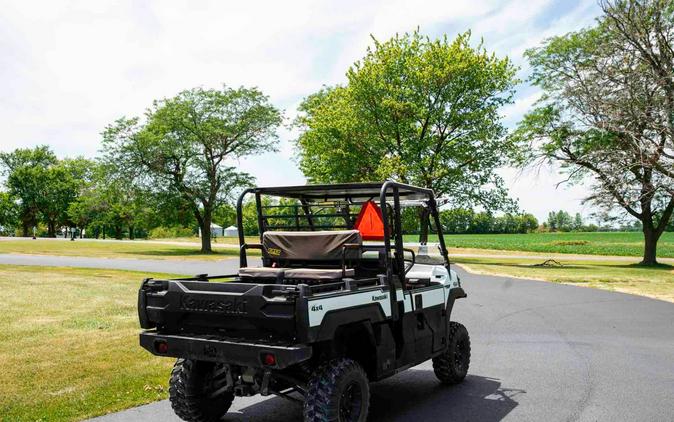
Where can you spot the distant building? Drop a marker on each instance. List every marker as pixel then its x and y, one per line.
pixel 216 230
pixel 231 231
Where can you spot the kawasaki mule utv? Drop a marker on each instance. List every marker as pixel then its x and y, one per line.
pixel 325 313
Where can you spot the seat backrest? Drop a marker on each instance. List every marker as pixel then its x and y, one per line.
pixel 310 246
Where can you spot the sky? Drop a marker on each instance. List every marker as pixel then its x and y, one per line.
pixel 69 68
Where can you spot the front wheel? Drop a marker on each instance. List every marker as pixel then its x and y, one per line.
pixel 451 366
pixel 195 391
pixel 338 391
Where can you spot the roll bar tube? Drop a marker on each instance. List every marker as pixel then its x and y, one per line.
pixel 243 262
pixel 399 240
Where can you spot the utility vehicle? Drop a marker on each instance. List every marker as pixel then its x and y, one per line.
pixel 336 302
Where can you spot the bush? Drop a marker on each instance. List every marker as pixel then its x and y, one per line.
pixel 162 232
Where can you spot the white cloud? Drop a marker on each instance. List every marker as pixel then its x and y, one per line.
pixel 69 68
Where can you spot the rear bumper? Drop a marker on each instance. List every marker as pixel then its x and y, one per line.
pixel 237 353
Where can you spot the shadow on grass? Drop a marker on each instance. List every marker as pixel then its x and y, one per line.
pixel 413 395
pixel 659 266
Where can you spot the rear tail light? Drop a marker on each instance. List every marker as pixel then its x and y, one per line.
pixel 161 346
pixel 269 359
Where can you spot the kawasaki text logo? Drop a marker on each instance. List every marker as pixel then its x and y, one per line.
pixel 381 297
pixel 225 306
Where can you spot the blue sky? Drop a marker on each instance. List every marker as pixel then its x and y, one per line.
pixel 68 68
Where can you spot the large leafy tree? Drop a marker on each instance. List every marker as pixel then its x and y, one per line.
pixel 8 213
pixel 112 200
pixel 26 171
pixel 183 145
pixel 420 111
pixel 44 186
pixel 607 115
pixel 61 185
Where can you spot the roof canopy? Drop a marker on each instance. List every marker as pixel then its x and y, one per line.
pixel 345 191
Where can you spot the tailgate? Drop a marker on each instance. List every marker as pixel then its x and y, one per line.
pixel 229 309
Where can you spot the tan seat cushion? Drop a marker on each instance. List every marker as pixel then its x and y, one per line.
pixel 310 245
pixel 261 272
pixel 318 273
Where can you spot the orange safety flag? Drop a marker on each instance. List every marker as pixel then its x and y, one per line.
pixel 370 222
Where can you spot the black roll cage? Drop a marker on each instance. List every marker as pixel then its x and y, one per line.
pixel 347 191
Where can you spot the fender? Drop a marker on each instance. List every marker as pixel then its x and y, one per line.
pixel 455 293
pixel 333 320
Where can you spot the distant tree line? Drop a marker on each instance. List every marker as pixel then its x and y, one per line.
pixel 462 220
pixel 80 195
pixel 562 221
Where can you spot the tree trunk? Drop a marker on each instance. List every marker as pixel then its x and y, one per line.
pixel 24 229
pixel 118 232
pixel 51 229
pixel 131 234
pixel 425 222
pixel 650 244
pixel 205 225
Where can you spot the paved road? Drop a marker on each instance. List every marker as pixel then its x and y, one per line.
pixel 541 352
pixel 171 266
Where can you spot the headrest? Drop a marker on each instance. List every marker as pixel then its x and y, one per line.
pixel 308 246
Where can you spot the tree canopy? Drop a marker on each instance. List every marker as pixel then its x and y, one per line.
pixel 608 111
pixel 184 143
pixel 416 110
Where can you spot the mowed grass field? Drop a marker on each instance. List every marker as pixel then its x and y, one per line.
pixel 600 243
pixel 113 249
pixel 69 345
pixel 654 282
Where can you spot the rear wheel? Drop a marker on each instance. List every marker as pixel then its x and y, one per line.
pixel 195 391
pixel 338 391
pixel 451 366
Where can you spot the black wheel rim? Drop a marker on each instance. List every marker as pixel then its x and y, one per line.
pixel 350 402
pixel 460 355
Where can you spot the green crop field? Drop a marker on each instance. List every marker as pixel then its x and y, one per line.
pixel 604 243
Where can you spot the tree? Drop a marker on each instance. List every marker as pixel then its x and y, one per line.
pixel 456 220
pixel 608 111
pixel 26 172
pixel 185 142
pixel 528 223
pixel 420 111
pixel 578 222
pixel 560 221
pixel 482 223
pixel 8 213
pixel 61 184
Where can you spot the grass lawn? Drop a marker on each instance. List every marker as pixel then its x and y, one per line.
pixel 216 241
pixel 112 249
pixel 655 282
pixel 613 243
pixel 69 344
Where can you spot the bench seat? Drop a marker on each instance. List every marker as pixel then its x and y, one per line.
pixel 315 274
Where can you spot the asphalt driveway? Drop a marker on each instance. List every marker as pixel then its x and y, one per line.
pixel 541 352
